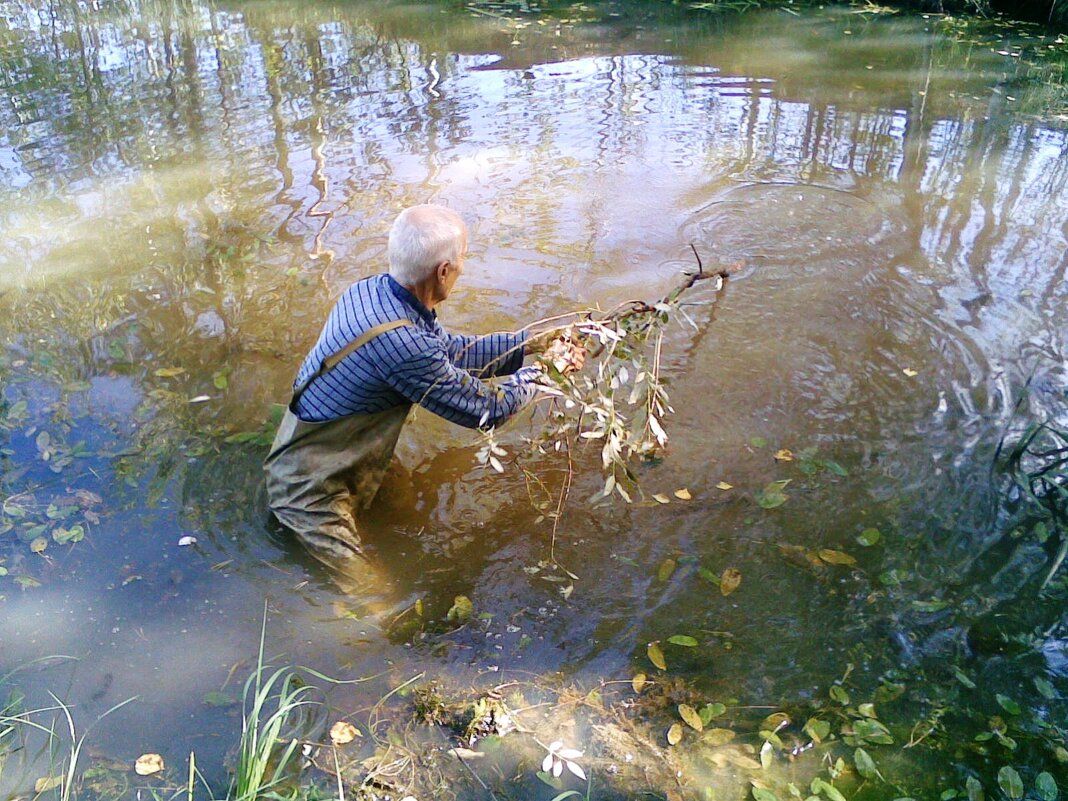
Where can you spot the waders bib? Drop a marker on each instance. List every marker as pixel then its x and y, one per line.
pixel 320 474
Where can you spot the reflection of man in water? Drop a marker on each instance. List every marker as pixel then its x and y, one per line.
pixel 381 350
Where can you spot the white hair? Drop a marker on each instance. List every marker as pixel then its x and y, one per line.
pixel 422 237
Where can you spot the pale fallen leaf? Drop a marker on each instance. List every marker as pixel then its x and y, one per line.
pixel 343 732
pixel 784 455
pixel 169 372
pixel 729 580
pixel 833 557
pixel 656 656
pixel 691 718
pixel 910 372
pixel 186 540
pixel 38 545
pixel 638 682
pixel 466 753
pixel 717 736
pixel 147 764
pixel 46 783
pixel 683 494
pixel 723 485
pixel 660 498
pixel 674 734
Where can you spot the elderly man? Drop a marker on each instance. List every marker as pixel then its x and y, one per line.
pixel 382 350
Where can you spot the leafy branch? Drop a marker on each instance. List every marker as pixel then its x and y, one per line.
pixel 619 402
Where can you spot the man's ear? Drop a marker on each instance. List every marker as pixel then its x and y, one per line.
pixel 442 271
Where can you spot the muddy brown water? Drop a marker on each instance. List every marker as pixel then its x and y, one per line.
pixel 185 189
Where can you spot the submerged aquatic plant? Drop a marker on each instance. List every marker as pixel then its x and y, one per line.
pixel 1038 465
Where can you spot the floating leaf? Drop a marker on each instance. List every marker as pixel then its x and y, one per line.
pixel 817 729
pixel 656 656
pixel 661 498
pixel 710 711
pixel 833 557
pixel 46 783
pixel 838 693
pixel 873 731
pixel 962 678
pixel 169 372
pixel 723 485
pixel 64 535
pixel 784 455
pixel 682 494
pixel 147 764
pixel 828 789
pixel 762 794
pixel 684 640
pixel 1045 688
pixel 717 736
pixel 975 789
pixel 674 734
pixel 758 442
pixel 1008 704
pixel 220 380
pixel 1010 783
pixel 343 732
pixel 775 721
pixel 460 610
pixel 38 545
pixel 772 495
pixel 667 567
pixel 54 512
pixel 869 537
pixel 218 699
pixel 865 764
pixel 836 468
pixel 708 575
pixel 690 717
pixel 867 710
pixel 638 682
pixel 1046 786
pixel 27 582
pixel 729 580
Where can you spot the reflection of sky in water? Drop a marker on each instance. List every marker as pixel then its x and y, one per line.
pixel 166 214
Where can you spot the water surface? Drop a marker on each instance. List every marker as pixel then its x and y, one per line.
pixel 185 189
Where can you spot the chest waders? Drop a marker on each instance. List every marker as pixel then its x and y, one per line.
pixel 320 474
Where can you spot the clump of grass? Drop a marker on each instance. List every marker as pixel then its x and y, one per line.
pixel 266 756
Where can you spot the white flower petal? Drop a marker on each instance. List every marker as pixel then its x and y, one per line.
pixel 571 766
pixel 568 753
pixel 558 767
pixel 547 763
pixel 555 746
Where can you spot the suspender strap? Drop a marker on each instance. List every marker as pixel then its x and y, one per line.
pixel 333 360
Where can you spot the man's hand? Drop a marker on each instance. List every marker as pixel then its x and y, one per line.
pixel 565 354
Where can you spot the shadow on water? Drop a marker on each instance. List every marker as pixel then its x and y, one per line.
pixel 184 190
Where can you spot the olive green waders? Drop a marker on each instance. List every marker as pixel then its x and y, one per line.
pixel 320 474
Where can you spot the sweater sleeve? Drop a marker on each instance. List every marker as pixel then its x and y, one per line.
pixel 429 377
pixel 487 356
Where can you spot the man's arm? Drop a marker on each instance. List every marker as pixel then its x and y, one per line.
pixel 487 356
pixel 428 376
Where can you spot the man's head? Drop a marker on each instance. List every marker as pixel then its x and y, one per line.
pixel 427 245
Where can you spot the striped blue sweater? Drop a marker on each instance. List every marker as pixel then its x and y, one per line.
pixel 419 363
